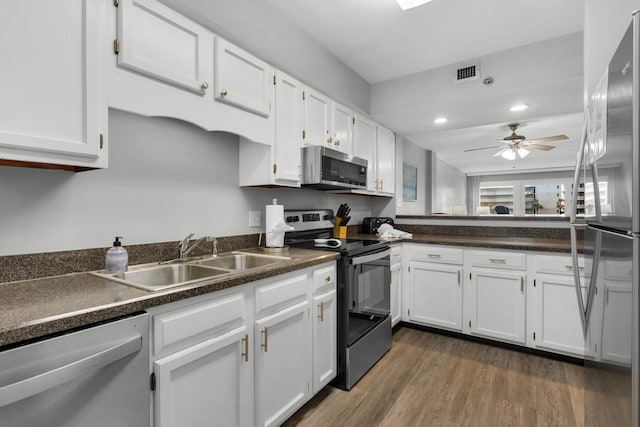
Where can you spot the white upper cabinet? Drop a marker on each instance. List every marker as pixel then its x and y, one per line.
pixel 385 161
pixel 159 42
pixel 242 79
pixel 315 119
pixel 53 107
pixel 288 139
pixel 364 146
pixel 341 128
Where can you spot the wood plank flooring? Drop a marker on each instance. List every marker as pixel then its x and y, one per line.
pixel 428 379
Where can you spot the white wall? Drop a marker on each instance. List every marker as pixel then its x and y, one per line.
pixel 166 178
pixel 449 186
pixel 259 28
pixel 605 24
pixel 416 156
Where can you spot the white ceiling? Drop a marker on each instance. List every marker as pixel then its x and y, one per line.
pixel 380 42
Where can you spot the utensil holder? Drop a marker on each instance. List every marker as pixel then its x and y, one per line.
pixel 339 231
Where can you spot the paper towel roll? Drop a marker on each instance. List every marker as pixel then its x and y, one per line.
pixel 274 215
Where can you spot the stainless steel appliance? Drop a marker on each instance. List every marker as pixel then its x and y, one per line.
pixel 97 376
pixel 363 297
pixel 606 194
pixel 326 169
pixel 370 225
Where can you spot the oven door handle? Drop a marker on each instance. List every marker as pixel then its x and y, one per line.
pixel 370 257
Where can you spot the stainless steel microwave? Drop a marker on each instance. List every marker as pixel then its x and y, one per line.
pixel 326 169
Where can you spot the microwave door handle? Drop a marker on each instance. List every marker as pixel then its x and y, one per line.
pixel 579 160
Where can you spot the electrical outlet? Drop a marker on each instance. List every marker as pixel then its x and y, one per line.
pixel 255 219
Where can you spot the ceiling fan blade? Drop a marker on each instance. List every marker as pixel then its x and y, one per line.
pixel 483 148
pixel 500 152
pixel 538 147
pixel 548 139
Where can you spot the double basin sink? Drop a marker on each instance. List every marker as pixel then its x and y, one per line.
pixel 157 277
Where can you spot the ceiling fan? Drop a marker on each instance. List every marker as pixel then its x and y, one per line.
pixel 518 146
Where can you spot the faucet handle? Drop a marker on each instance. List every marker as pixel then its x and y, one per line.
pixel 214 246
pixel 186 239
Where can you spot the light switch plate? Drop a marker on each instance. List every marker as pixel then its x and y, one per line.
pixel 255 219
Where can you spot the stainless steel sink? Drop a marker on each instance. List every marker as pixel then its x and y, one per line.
pixel 241 261
pixel 159 277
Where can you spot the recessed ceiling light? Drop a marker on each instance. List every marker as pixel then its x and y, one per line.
pixel 519 107
pixel 440 120
pixel 410 4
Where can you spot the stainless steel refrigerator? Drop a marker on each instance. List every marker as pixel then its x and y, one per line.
pixel 605 233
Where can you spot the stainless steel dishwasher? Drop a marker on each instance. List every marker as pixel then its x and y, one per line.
pixel 98 376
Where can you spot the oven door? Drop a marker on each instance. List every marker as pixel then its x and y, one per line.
pixel 368 290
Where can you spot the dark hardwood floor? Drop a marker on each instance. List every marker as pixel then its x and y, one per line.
pixel 428 379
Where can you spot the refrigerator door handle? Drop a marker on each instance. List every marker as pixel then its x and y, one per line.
pixel 585 307
pixel 579 160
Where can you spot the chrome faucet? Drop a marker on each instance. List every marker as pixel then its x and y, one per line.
pixel 185 248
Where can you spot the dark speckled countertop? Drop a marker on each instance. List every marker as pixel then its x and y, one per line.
pixel 40 307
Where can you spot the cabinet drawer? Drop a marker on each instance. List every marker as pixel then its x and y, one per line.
pixel 324 278
pixel 551 264
pixel 618 270
pixel 507 260
pixel 436 254
pixel 179 328
pixel 281 294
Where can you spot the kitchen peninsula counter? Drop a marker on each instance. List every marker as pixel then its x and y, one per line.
pixel 35 308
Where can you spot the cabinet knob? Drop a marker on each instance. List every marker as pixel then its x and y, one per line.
pixel 205 85
pixel 224 92
pixel 328 278
pixel 337 142
pixel 329 140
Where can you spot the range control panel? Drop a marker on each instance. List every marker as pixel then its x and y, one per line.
pixel 309 219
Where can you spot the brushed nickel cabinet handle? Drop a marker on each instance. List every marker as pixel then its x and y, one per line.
pixel 434 256
pixel 497 261
pixel 245 340
pixel 337 142
pixel 205 85
pixel 321 308
pixel 329 140
pixel 328 278
pixel 522 284
pixel 224 92
pixel 265 344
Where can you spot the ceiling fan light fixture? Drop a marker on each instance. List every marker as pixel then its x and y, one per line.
pixel 509 154
pixel 518 107
pixel 410 4
pixel 522 152
pixel 440 120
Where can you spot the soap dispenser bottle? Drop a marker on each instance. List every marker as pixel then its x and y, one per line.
pixel 117 259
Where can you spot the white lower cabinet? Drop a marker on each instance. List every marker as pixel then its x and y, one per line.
pixel 498 305
pixel 436 295
pixel 210 380
pixel 558 324
pixel 283 364
pixel 244 356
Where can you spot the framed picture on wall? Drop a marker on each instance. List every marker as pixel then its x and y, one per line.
pixel 409 182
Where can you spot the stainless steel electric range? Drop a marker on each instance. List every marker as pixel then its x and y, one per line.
pixel 364 277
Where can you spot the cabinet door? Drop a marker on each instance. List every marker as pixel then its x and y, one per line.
pixel 159 42
pixel 385 161
pixel 283 364
pixel 210 380
pixel 241 79
pixel 324 340
pixel 396 294
pixel 315 120
pixel 364 146
pixel 498 305
pixel 288 118
pixel 617 323
pixel 342 126
pixel 558 325
pixel 53 106
pixel 437 295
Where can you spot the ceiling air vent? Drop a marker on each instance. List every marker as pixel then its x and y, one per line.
pixel 467 72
